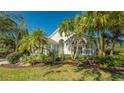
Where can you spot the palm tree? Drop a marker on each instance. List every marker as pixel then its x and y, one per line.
pixel 116 27
pixel 80 28
pixel 26 44
pixel 6 24
pixel 61 48
pixel 100 26
pixel 66 29
pixel 74 28
pixel 18 28
pixel 37 40
pixel 9 25
pixel 7 42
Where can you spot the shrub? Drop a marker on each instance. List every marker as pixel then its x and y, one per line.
pixel 14 57
pixel 80 60
pixel 121 54
pixel 40 58
pixel 30 59
pixel 49 59
pixel 68 60
pixel 4 52
pixel 67 56
pixel 35 59
pixel 58 58
pixel 105 65
pixel 116 60
pixel 62 57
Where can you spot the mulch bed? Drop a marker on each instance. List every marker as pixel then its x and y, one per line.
pixel 94 64
pixel 87 64
pixel 9 65
pixel 17 66
pixel 117 69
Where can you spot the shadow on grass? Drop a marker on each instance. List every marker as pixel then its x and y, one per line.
pixel 117 76
pixel 99 74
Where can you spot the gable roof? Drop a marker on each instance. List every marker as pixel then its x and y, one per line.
pixel 51 41
pixel 54 33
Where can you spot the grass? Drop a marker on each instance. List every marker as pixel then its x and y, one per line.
pixel 64 72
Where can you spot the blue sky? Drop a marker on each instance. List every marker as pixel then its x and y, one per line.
pixel 46 20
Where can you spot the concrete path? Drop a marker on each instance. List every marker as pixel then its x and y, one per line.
pixel 3 61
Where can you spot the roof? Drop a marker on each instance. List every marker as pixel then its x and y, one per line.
pixel 51 41
pixel 54 32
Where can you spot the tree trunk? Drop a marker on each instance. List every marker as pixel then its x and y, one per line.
pixel 102 46
pixel 72 52
pixel 112 49
pixel 98 45
pixel 100 51
pixel 17 37
pixel 42 49
pixel 77 51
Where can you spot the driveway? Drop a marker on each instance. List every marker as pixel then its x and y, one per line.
pixel 3 61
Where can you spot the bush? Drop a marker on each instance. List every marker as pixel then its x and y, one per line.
pixel 62 57
pixel 104 65
pixel 49 59
pixel 54 58
pixel 116 60
pixel 58 58
pixel 4 52
pixel 40 58
pixel 80 60
pixel 14 57
pixel 35 59
pixel 29 59
pixel 67 56
pixel 121 54
pixel 68 60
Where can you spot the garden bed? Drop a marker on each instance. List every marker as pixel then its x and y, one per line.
pixel 87 64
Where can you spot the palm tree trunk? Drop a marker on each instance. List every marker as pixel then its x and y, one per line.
pixel 99 47
pixel 102 46
pixel 99 44
pixel 42 49
pixel 77 51
pixel 72 53
pixel 112 49
pixel 17 37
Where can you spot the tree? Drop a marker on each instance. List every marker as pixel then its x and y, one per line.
pixel 11 24
pixel 61 48
pixel 66 29
pixel 101 26
pixel 116 27
pixel 6 24
pixel 74 29
pixel 19 24
pixel 7 42
pixel 37 40
pixel 26 44
pixel 39 37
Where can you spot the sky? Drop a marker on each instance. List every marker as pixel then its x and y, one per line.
pixel 46 20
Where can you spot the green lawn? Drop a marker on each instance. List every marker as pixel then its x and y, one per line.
pixel 64 72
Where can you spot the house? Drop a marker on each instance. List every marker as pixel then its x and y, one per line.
pixel 59 44
pixel 84 49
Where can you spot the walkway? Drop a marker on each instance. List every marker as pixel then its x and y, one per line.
pixel 3 61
